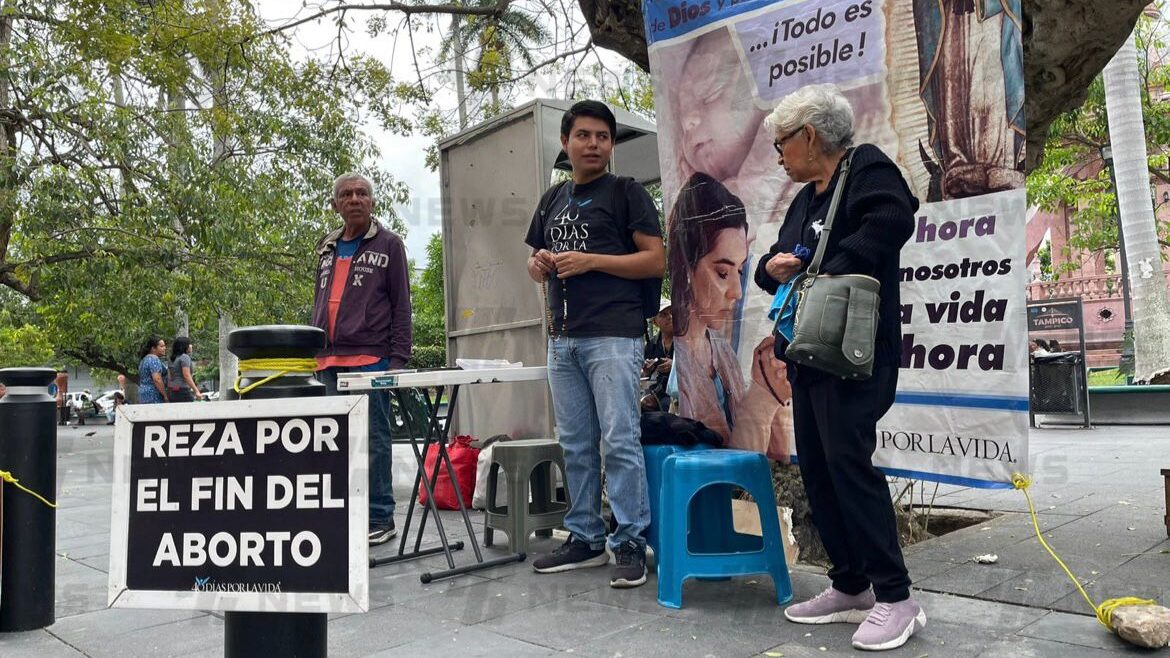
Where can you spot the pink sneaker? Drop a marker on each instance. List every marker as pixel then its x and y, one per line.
pixel 889 625
pixel 831 606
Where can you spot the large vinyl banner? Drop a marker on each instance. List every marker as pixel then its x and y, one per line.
pixel 938 86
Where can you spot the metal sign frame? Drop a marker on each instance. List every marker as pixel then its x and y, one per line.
pixel 355 599
pixel 1078 324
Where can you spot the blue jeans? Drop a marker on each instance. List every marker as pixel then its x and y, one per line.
pixel 594 384
pixel 381 468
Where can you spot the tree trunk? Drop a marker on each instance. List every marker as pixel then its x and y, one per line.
pixel 1147 283
pixel 228 365
pixel 460 86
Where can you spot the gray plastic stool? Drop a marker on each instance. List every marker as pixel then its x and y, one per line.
pixel 526 463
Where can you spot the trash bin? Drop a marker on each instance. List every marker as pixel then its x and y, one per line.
pixel 1056 382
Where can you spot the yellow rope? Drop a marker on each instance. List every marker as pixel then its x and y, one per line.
pixel 282 366
pixel 7 477
pixel 1104 611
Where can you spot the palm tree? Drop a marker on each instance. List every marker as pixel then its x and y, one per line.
pixel 501 39
pixel 1147 283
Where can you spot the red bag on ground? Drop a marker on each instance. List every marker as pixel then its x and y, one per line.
pixel 463 458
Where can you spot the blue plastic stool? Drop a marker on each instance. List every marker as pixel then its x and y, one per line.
pixel 695 535
pixel 711 506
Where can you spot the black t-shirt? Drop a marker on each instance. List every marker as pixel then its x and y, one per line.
pixel 589 218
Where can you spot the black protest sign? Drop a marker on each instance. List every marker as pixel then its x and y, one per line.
pixel 257 505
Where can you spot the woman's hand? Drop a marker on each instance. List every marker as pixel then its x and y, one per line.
pixel 783 267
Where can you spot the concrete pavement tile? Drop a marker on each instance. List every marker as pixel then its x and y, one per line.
pixel 39 643
pixel 113 626
pixel 202 633
pixel 1000 618
pixel 923 568
pixel 80 588
pixel 1027 647
pixel 97 543
pixel 676 637
pixel 384 628
pixel 1152 567
pixel 395 587
pixel 551 587
pixel 476 603
pixel 1033 589
pixel 1081 630
pixel 468 642
pixel 788 650
pixel 1104 587
pixel 567 624
pixel 969 579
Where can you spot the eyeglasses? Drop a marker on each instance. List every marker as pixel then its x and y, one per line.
pixel 779 144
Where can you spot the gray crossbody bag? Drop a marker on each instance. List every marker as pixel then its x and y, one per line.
pixel 836 314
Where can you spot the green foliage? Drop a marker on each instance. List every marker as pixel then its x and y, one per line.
pixel 172 155
pixel 426 298
pixel 24 346
pixel 428 356
pixel 1045 256
pixel 1073 173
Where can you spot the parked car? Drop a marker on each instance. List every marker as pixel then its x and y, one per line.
pixel 106 400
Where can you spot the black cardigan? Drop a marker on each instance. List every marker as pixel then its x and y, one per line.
pixel 875 219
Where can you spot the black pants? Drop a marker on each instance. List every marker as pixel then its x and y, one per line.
pixel 835 423
pixel 181 395
pixel 63 413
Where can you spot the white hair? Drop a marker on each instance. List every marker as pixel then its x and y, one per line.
pixel 351 176
pixel 823 107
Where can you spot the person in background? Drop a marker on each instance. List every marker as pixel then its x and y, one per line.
pixel 179 381
pixel 658 357
pixel 112 410
pixel 152 371
pixel 362 302
pixel 62 385
pixel 835 419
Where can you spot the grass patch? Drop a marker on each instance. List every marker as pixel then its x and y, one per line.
pixel 1107 377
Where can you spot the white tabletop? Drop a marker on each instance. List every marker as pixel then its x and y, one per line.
pixel 364 381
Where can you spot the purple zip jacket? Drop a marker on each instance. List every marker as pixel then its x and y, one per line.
pixel 374 315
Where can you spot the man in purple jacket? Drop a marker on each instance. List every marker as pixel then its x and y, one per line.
pixel 362 301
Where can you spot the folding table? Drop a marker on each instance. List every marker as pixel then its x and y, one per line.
pixel 430 386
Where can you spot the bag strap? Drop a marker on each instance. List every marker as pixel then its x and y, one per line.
pixel 814 267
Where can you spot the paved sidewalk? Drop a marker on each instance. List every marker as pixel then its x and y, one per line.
pixel 1100 500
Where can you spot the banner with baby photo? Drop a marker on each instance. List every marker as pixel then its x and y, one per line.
pixel 937 85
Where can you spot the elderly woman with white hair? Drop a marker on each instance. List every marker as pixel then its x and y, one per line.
pixel 835 419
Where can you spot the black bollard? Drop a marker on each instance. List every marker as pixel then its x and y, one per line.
pixel 301 634
pixel 28 450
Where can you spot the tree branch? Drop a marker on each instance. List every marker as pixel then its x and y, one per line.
pixel 408 9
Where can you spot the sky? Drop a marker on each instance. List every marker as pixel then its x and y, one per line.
pixel 404 157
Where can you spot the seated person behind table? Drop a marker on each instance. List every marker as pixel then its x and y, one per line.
pixel 658 358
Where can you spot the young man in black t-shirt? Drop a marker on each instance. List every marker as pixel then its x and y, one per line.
pixel 594 239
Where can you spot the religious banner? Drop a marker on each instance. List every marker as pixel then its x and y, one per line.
pixel 937 85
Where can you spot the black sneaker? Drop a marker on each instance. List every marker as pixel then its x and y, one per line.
pixel 572 554
pixel 382 533
pixel 629 565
